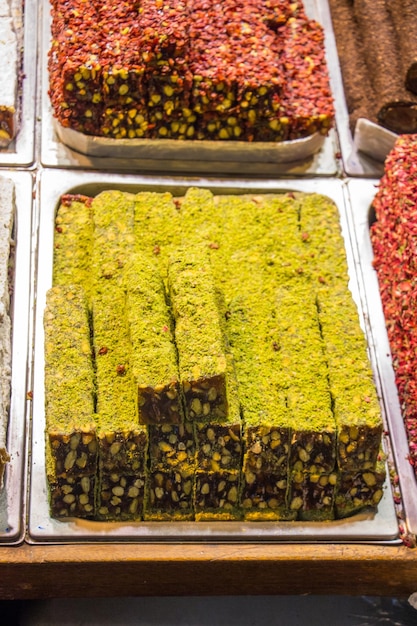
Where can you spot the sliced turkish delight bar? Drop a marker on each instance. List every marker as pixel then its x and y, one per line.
pixel 121 122
pixel 169 495
pixel 169 105
pixel 219 443
pixel 259 76
pixel 75 73
pixel 73 240
pixel 172 446
pixel 264 497
pixel 352 385
pixel 71 438
pixel 312 495
pixel 359 490
pixel 149 72
pixel 113 241
pixel 266 425
pixel 198 334
pixel 124 93
pixel 9 54
pixel 120 496
pixel 122 440
pixel 322 241
pixel 200 220
pixel 154 355
pixel 304 368
pixel 214 82
pixel 216 495
pixel 73 496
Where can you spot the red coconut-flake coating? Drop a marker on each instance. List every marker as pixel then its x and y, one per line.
pixel 123 69
pixel 234 61
pixel 214 82
pixel 307 98
pixel 394 241
pixel 163 43
pixel 163 32
pixel 277 12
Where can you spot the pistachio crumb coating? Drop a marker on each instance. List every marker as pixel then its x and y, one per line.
pixel 113 239
pixel 219 442
pixel 71 439
pixel 154 355
pixel 198 334
pixel 73 241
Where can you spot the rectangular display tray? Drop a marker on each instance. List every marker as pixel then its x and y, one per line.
pixel 379 527
pixel 13 495
pixel 361 194
pixel 63 147
pixel 21 151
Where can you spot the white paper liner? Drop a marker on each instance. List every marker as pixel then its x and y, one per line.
pixel 373 139
pixel 190 150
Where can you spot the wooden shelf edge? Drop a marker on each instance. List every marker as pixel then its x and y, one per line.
pixel 122 570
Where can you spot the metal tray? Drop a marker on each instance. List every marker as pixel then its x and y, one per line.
pixel 13 495
pixel 379 527
pixel 62 147
pixel 21 151
pixel 363 153
pixel 361 194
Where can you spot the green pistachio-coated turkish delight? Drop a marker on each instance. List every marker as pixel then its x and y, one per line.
pixel 153 351
pixel 73 240
pixel 122 440
pixel 113 239
pixel 352 385
pixel 198 335
pixel 71 438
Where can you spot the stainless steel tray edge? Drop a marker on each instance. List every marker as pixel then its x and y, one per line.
pixel 380 527
pixel 12 517
pixel 361 194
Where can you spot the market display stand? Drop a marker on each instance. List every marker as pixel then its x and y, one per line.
pixel 179 568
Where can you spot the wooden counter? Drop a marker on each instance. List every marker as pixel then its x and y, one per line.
pixel 121 570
